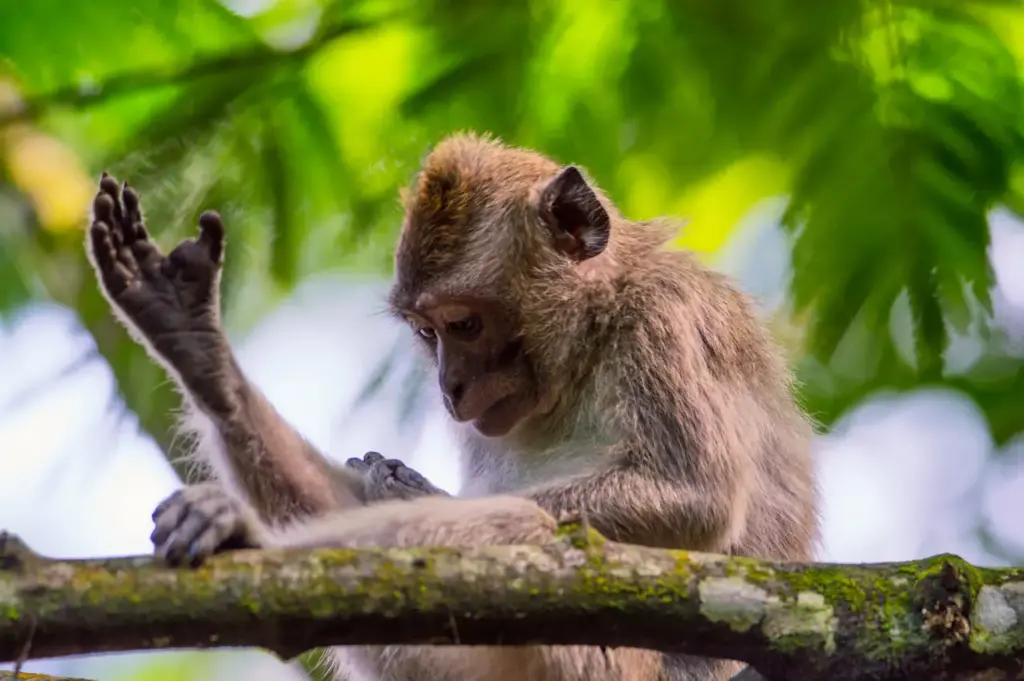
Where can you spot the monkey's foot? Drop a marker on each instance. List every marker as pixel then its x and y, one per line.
pixel 198 521
pixel 386 479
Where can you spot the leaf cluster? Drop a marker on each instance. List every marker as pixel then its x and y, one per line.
pixel 893 127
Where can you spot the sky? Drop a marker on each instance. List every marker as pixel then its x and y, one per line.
pixel 902 476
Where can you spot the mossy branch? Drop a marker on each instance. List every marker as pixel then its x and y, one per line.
pixel 936 618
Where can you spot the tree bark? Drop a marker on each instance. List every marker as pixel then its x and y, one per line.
pixel 938 618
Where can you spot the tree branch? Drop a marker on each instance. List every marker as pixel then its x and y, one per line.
pixel 938 618
pixel 258 56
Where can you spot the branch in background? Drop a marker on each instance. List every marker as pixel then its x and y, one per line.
pixel 36 388
pixel 260 55
pixel 936 618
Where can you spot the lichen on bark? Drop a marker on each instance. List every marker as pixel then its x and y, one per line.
pixel 936 618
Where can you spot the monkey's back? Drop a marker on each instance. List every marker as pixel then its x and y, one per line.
pixel 720 333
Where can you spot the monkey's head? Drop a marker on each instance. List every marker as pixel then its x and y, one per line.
pixel 497 249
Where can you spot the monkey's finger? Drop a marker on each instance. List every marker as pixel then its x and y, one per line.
pixel 211 235
pixel 146 253
pixel 126 257
pixel 114 275
pixel 172 551
pixel 103 208
pixel 415 479
pixel 162 532
pixel 133 215
pixel 110 187
pixel 167 517
pixel 149 258
pixel 393 465
pixel 357 464
pixel 127 223
pixel 373 458
pixel 411 478
pixel 221 528
pixel 162 507
pixel 195 524
pixel 102 249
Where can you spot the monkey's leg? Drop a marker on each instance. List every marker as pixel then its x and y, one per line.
pixel 171 304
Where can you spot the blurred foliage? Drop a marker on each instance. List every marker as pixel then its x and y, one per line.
pixel 893 126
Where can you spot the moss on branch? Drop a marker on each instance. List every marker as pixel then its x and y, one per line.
pixel 935 618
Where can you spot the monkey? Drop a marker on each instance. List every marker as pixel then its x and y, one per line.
pixel 588 371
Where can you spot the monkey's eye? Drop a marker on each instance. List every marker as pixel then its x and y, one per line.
pixel 467 328
pixel 427 332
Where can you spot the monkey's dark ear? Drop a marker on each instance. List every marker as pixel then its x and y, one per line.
pixel 577 220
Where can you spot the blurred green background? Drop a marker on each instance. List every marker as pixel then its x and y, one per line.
pixel 891 130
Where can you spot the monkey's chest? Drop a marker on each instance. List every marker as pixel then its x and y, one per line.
pixel 509 472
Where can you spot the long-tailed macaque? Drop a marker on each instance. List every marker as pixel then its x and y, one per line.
pixel 588 370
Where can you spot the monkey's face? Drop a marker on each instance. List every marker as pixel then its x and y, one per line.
pixel 484 375
pixel 492 242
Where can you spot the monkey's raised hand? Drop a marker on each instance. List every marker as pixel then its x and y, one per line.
pixel 171 300
pixel 385 479
pixel 198 521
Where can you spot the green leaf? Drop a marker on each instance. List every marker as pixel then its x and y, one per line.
pixel 287 237
pixel 56 46
pixel 14 279
pixel 913 193
pixel 899 126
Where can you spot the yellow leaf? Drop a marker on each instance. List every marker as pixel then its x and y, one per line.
pixel 1008 24
pixel 49 173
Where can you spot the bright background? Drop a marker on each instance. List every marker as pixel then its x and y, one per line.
pixel 855 165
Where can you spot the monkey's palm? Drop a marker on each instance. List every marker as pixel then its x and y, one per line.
pixel 172 300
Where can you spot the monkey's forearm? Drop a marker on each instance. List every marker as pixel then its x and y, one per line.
pixel 427 521
pixel 629 506
pixel 170 304
pixel 252 448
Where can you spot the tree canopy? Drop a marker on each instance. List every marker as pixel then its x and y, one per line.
pixel 891 128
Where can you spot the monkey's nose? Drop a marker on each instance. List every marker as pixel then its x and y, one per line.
pixel 454 391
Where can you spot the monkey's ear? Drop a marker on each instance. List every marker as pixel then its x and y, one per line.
pixel 577 220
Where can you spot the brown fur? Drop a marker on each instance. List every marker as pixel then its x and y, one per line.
pixel 674 423
pixel 664 414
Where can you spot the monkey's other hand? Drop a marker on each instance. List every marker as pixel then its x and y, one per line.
pixel 198 521
pixel 385 479
pixel 172 299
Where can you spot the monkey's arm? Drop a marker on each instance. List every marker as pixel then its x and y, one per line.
pixel 428 521
pixel 630 505
pixel 253 449
pixel 171 305
pixel 677 478
pixel 197 521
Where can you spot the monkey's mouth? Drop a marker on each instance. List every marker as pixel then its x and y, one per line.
pixel 500 417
